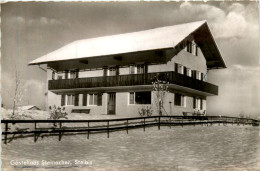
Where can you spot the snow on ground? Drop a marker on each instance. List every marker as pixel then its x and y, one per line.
pixel 188 148
pixel 45 115
pixel 41 115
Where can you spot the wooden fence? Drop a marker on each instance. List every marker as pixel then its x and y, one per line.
pixel 60 127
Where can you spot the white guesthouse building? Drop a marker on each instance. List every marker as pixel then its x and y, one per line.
pixel 113 74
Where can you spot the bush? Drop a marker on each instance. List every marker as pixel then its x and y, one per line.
pixel 145 111
pixel 57 113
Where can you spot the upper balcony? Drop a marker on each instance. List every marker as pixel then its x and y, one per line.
pixel 176 81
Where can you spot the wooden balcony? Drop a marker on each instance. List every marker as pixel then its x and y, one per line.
pixel 134 80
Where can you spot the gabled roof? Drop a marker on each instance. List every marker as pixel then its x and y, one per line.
pixel 158 38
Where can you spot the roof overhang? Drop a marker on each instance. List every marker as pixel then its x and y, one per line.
pixel 129 45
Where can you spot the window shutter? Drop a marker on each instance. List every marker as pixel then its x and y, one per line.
pixel 105 69
pixel 76 100
pixel 77 73
pixel 117 70
pixel 53 75
pixel 201 104
pixel 66 74
pixel 84 103
pixel 202 76
pixel 196 53
pixel 176 67
pixel 184 70
pixel 62 99
pixel 99 99
pixel 194 102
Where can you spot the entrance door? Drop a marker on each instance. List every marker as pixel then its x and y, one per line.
pixel 111 103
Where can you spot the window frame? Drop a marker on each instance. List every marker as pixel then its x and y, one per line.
pixel 70 100
pixel 93 99
pixel 201 104
pixel 182 100
pixel 134 96
pixel 132 67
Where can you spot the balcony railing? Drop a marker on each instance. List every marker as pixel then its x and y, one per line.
pixel 133 80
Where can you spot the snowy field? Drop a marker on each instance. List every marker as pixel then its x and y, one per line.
pixel 37 114
pixel 189 148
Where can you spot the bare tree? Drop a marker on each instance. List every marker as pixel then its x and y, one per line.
pixel 18 92
pixel 159 89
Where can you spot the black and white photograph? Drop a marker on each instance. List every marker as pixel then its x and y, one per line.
pixel 130 86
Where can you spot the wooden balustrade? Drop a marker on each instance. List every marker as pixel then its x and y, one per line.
pixel 133 80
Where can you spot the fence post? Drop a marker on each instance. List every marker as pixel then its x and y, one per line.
pixel 88 130
pixel 107 129
pixel 127 126
pixel 35 126
pixel 170 122
pixel 144 124
pixel 6 129
pixel 60 131
pixel 159 123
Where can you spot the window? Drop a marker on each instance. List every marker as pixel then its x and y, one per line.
pixel 93 99
pixel 105 71
pixel 59 77
pixel 140 97
pixel 131 98
pixel 140 69
pixel 192 48
pixel 189 72
pixel 70 99
pixel 179 68
pixel 113 71
pixel 197 103
pixel 201 104
pixel 132 69
pixel 72 74
pixel 179 100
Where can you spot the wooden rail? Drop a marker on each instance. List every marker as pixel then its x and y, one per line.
pixel 116 124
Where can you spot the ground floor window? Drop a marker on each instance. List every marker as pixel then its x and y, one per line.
pixel 143 97
pixel 197 103
pixel 70 99
pixel 179 99
pixel 201 104
pixel 93 99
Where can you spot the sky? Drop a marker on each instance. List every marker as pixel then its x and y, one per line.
pixel 31 30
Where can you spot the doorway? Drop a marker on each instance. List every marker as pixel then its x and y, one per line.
pixel 111 104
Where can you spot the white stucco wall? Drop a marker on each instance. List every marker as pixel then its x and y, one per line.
pixel 124 109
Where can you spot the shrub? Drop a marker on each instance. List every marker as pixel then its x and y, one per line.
pixel 145 111
pixel 57 113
